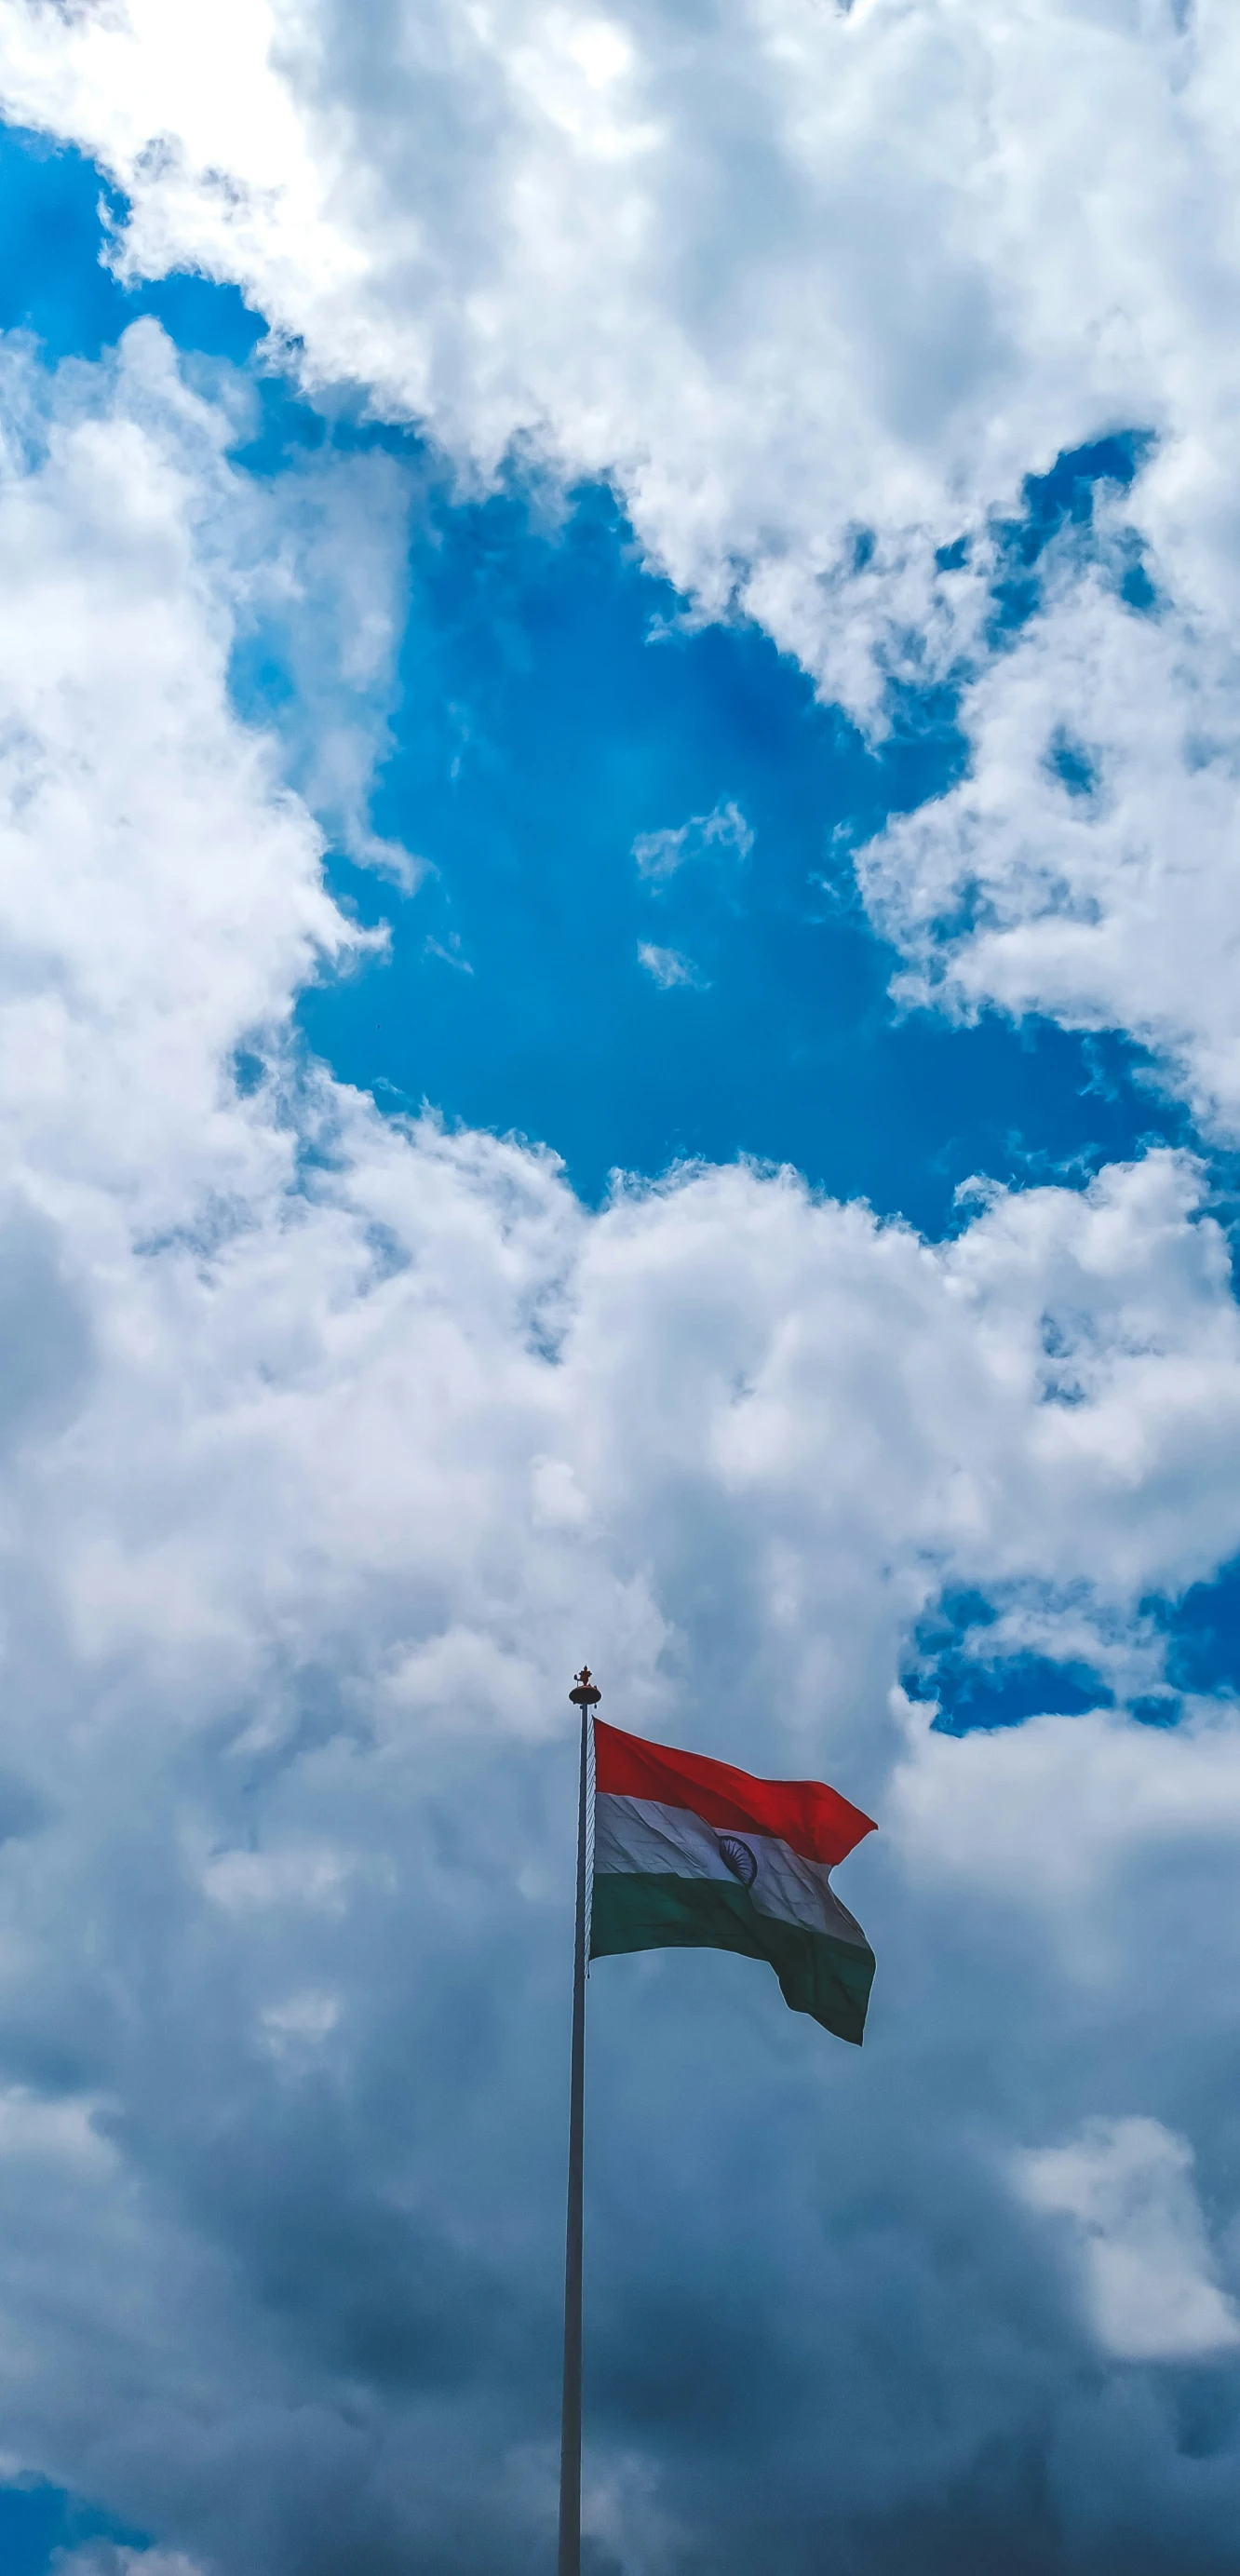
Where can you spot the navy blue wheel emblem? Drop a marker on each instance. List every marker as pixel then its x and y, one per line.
pixel 739 1858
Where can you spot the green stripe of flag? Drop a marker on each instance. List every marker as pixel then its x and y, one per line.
pixel 818 1975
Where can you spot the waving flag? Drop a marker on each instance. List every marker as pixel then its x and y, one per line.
pixel 693 1854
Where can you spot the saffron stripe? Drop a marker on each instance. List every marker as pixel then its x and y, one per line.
pixel 812 1819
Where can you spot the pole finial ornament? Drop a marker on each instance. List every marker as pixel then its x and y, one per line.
pixel 586 1695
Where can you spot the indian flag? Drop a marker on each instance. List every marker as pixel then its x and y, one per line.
pixel 690 1854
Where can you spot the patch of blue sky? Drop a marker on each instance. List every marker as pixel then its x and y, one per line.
pixel 1179 1648
pixel 558 720
pixel 1059 505
pixel 38 2522
pixel 978 1696
pixel 1202 1632
pixel 555 713
pixel 957 1660
pixel 56 210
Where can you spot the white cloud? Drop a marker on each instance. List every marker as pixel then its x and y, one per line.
pixel 296 2028
pixel 1039 1815
pixel 817 287
pixel 242 1882
pixel 814 273
pixel 659 855
pixel 668 967
pixel 1127 2187
pixel 1108 898
pixel 192 879
pixel 330 1446
pixel 55 2132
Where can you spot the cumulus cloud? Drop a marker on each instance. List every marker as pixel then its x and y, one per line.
pixel 1151 2288
pixel 1085 866
pixel 817 288
pixel 119 741
pixel 1070 1797
pixel 333 1444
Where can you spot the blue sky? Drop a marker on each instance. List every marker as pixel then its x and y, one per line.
pixel 553 702
pixel 759 678
pixel 553 711
pixel 37 2521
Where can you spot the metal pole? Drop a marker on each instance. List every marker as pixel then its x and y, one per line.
pixel 586 1698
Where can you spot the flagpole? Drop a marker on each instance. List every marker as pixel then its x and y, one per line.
pixel 586 1698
